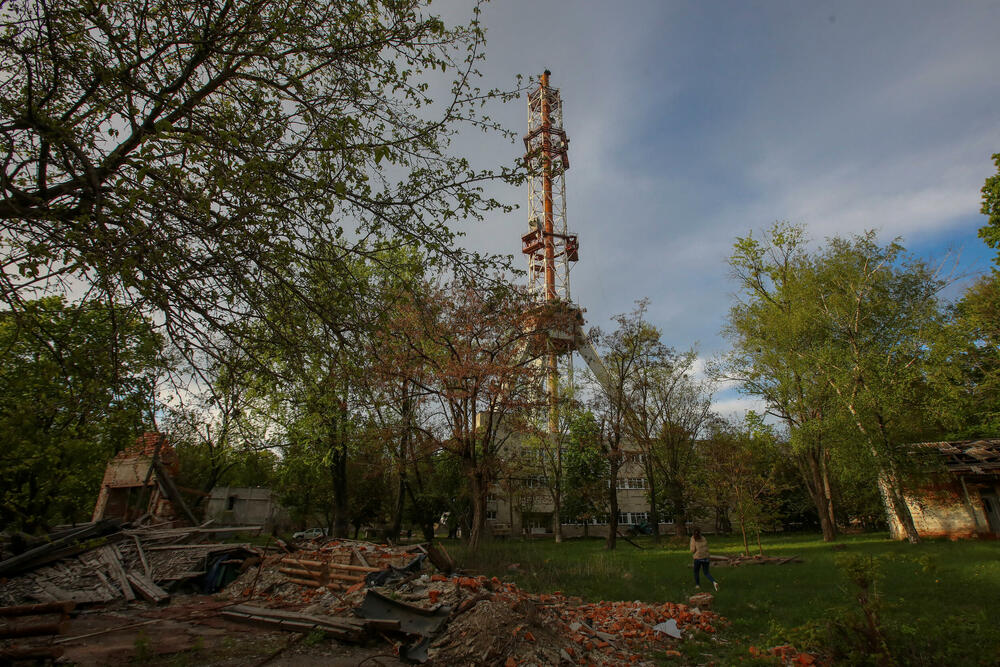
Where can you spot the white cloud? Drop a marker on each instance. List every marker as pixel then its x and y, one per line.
pixel 736 408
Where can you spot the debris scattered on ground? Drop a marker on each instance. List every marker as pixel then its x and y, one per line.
pixel 356 592
pixel 701 600
pixel 733 561
pixel 787 655
pixel 103 561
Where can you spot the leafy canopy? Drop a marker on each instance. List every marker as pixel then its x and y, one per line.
pixel 182 155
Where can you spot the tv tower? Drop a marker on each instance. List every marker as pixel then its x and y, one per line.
pixel 548 245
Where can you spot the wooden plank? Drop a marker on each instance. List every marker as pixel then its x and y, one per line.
pixel 117 571
pixel 301 561
pixel 142 557
pixel 440 557
pixel 108 588
pixel 53 592
pixel 361 558
pixel 297 622
pixel 205 547
pixel 305 582
pixel 345 622
pixel 356 568
pixel 147 588
pixel 170 491
pixel 296 571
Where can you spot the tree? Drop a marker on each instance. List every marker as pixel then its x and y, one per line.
pixel 966 363
pixel 837 339
pixel 543 456
pixel 678 408
pixel 881 311
pixel 177 157
pixel 990 233
pixel 76 385
pixel 773 329
pixel 215 441
pixel 586 470
pixel 473 361
pixel 739 465
pixel 623 351
pixel 306 379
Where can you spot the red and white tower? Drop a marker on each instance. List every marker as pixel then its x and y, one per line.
pixel 548 245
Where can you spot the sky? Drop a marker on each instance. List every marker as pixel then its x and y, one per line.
pixel 693 123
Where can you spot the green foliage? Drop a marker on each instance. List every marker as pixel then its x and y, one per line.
pixel 585 469
pixel 76 386
pixel 990 233
pixel 314 638
pixel 739 472
pixel 182 158
pixel 775 332
pixel 839 340
pixel 143 647
pixel 967 363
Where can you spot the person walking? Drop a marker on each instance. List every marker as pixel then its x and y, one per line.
pixel 699 547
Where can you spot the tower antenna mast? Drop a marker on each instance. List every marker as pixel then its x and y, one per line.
pixel 548 245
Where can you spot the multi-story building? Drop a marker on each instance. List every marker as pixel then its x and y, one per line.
pixel 521 502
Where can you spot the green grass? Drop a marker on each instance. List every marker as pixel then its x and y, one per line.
pixel 940 600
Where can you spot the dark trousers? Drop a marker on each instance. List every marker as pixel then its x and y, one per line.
pixel 701 563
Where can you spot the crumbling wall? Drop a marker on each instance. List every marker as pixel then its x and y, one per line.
pixel 129 479
pixel 943 511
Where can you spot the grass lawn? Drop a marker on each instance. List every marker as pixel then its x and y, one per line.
pixel 939 600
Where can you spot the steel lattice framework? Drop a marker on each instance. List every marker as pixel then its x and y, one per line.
pixel 549 246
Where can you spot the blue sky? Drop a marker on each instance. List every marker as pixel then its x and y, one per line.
pixel 695 122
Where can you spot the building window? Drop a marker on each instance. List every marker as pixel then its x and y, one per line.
pixel 535 482
pixel 633 518
pixel 491 515
pixel 638 483
pixel 230 503
pixel 635 458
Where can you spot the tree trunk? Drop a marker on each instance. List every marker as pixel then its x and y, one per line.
pixel 399 505
pixel 654 508
pixel 743 530
pixel 615 466
pixel 557 520
pixel 896 507
pixel 477 487
pixel 680 510
pixel 827 487
pixel 338 473
pixel 818 485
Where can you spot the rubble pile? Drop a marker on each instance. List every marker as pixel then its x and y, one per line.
pixel 359 592
pixel 127 564
pixel 488 621
pixel 552 628
pixel 317 571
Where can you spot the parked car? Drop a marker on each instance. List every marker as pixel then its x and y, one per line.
pixel 309 534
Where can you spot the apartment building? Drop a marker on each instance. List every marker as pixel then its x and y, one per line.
pixel 521 503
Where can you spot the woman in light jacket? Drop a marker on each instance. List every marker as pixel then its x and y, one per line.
pixel 699 547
